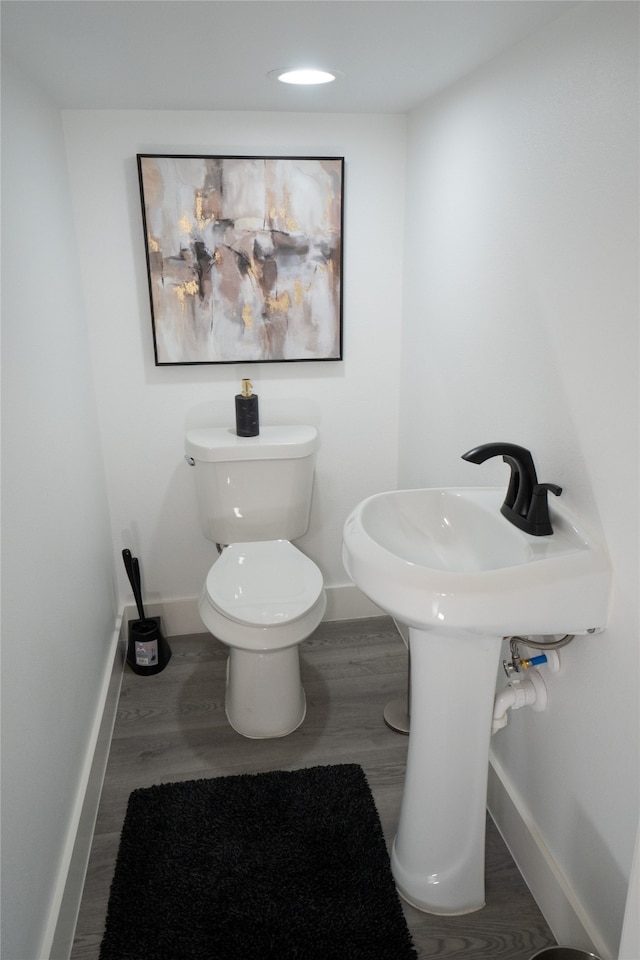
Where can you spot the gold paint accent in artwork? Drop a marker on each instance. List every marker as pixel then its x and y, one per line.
pixel 299 291
pixel 247 315
pixel 185 223
pixel 252 269
pixel 199 209
pixel 187 289
pixel 201 216
pixel 279 303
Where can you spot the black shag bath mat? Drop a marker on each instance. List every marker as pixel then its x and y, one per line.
pixel 291 864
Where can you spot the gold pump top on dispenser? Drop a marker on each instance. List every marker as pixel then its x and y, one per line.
pixel 246 388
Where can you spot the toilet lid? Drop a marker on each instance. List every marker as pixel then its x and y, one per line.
pixel 263 584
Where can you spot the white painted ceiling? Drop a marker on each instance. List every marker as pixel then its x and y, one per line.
pixel 215 54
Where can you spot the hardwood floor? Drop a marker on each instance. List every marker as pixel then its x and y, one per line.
pixel 172 726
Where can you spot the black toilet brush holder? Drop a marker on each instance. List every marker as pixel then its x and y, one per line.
pixel 147 650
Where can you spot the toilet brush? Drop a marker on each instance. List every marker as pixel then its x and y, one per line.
pixel 147 650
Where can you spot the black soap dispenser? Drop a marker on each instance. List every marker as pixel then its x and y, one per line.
pixel 247 420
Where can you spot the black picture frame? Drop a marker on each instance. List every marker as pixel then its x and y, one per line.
pixel 244 257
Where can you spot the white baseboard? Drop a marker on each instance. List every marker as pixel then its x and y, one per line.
pixel 559 904
pixel 346 602
pixel 58 939
pixel 630 939
pixel 180 617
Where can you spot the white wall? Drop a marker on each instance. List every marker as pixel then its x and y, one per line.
pixel 521 324
pixel 58 610
pixel 143 409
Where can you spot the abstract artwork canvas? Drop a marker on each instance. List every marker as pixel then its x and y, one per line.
pixel 244 257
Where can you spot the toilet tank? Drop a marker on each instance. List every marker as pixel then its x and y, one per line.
pixel 253 488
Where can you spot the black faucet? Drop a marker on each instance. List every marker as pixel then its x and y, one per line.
pixel 525 504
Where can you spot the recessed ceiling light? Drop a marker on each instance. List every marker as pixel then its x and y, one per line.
pixel 306 76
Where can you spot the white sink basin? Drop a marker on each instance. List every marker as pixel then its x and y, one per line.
pixel 447 556
pixel 461 576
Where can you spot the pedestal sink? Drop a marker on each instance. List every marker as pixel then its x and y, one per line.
pixel 446 563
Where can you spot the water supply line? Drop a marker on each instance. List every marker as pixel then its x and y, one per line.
pixel 551 656
pixel 543 644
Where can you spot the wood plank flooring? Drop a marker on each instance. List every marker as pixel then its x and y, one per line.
pixel 173 727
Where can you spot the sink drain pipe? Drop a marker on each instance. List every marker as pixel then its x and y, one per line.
pixel 528 692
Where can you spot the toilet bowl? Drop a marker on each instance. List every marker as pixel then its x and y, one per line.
pixel 263 596
pixel 262 599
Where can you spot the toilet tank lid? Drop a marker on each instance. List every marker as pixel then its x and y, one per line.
pixel 222 443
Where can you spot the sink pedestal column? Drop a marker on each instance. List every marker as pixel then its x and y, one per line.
pixel 439 850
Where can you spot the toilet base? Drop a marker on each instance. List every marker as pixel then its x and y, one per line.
pixel 264 696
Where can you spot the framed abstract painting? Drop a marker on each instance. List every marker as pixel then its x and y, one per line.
pixel 244 257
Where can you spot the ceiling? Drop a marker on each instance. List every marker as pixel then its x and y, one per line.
pixel 215 54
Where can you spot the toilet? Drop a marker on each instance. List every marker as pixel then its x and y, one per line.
pixel 262 597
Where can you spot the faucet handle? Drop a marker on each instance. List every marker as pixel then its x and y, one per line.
pixel 538 516
pixel 539 489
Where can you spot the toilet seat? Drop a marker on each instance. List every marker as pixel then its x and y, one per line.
pixel 263 584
